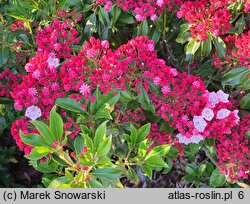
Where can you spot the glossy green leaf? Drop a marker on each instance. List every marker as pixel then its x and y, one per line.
pixel 44 131
pixel 100 134
pixel 143 132
pixel 245 102
pixel 56 124
pixel 217 179
pixel 104 147
pixel 133 134
pixel 155 161
pixel 60 182
pixel 38 153
pixel 220 47
pixel 71 105
pixel 33 139
pixel 79 144
pixel 107 173
pixel 159 151
pixel 191 49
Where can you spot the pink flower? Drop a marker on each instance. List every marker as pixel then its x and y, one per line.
pixel 32 91
pixel 84 89
pixel 153 17
pixel 105 44
pixel 165 90
pixel 157 80
pixel 53 62
pixel 179 14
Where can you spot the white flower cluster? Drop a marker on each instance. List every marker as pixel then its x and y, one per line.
pixel 33 112
pixel 200 122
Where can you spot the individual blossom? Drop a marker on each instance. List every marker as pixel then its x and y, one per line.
pixel 53 62
pixel 222 97
pixel 223 113
pixel 208 114
pixel 199 123
pixel 33 112
pixel 84 89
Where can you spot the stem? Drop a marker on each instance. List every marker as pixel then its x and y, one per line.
pixel 209 156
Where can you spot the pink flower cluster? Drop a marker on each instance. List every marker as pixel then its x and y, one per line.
pixel 8 81
pixel 59 36
pixel 237 52
pixel 233 151
pixel 143 8
pixel 206 16
pixel 243 49
pixel 183 101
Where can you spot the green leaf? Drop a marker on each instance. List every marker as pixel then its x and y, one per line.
pixel 69 175
pixel 60 182
pixel 107 173
pixel 4 100
pixel 126 18
pixel 4 54
pixel 217 179
pixel 220 46
pixel 88 141
pixel 184 34
pixel 56 124
pixel 147 170
pixel 79 144
pixel 105 162
pixel 38 153
pixel 3 124
pixel 104 147
pixel 115 12
pixel 206 47
pixel 133 134
pixel 145 102
pixel 33 139
pixel 100 134
pixel 159 151
pixel 143 132
pixel 95 184
pixel 44 167
pixel 191 48
pixel 155 161
pixel 44 131
pixel 71 105
pixel 190 169
pixel 61 4
pixel 202 169
pixel 235 77
pixel 245 102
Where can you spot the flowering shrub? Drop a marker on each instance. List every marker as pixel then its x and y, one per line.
pixel 106 88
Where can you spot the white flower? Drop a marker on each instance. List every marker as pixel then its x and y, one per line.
pixel 223 113
pixel 213 99
pixel 208 114
pixel 235 112
pixel 33 112
pixel 53 62
pixel 193 139
pixel 199 123
pixel 196 139
pixel 182 139
pixel 223 97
